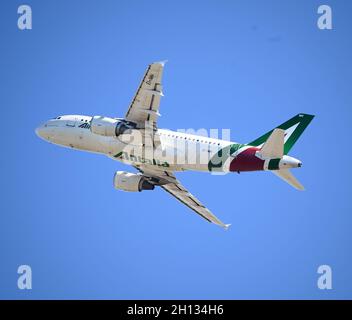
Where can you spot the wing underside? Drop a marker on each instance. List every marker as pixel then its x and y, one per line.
pixel 146 102
pixel 144 111
pixel 170 184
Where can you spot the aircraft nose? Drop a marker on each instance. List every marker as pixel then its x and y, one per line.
pixel 40 132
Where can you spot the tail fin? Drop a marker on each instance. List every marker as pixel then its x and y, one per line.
pixel 293 129
pixel 288 177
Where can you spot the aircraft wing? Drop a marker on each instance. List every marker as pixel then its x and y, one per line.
pixel 145 104
pixel 169 183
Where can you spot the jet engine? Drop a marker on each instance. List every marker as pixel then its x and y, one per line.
pixel 127 181
pixel 110 127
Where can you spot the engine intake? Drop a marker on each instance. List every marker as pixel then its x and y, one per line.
pixel 110 127
pixel 132 182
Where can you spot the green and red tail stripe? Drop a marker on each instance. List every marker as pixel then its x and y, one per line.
pixel 243 153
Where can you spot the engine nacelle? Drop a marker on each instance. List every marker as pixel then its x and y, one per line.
pixel 127 181
pixel 109 127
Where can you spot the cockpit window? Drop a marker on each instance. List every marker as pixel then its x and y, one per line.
pixel 56 118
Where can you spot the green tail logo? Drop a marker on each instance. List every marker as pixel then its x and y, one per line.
pixel 293 130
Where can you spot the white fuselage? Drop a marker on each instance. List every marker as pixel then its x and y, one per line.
pixel 158 149
pixel 175 151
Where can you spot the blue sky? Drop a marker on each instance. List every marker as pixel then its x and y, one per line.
pixel 241 65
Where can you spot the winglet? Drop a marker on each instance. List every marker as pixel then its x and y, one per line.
pixel 226 226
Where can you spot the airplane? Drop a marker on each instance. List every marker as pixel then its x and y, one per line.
pixel 158 153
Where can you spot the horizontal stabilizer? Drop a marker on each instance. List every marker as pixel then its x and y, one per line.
pixel 273 148
pixel 286 175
